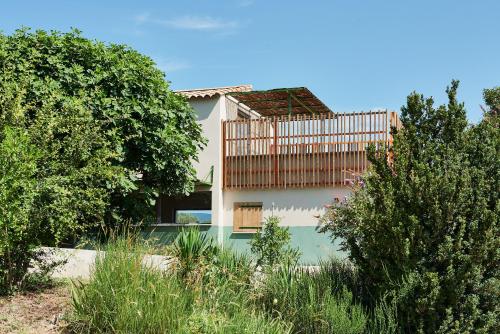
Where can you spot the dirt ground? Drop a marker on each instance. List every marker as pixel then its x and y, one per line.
pixel 38 312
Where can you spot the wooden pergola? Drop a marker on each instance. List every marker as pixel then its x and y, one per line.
pixel 282 101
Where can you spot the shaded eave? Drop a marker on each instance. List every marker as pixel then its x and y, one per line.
pixel 282 101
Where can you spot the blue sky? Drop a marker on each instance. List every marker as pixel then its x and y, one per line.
pixel 354 55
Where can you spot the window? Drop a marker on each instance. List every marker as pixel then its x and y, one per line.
pixel 247 217
pixel 193 216
pixel 192 209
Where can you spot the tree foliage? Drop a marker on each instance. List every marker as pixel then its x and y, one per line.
pixel 108 133
pixel 113 134
pixel 430 217
pixel 492 100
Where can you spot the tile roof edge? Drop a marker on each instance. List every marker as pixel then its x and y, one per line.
pixel 209 92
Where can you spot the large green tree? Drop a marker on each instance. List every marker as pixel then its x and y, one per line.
pixel 112 135
pixel 429 218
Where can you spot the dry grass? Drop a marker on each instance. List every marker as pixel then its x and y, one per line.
pixel 37 312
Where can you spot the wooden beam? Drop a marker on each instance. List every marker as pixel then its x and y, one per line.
pixel 300 102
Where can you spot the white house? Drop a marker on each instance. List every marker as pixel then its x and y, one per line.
pixel 278 152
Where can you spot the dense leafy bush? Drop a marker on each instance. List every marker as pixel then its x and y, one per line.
pixel 429 218
pixel 113 134
pixel 109 135
pixel 17 192
pixel 271 244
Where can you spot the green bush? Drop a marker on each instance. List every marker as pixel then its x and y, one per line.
pixel 271 244
pixel 492 100
pixel 423 227
pixel 110 136
pixel 18 237
pixel 193 251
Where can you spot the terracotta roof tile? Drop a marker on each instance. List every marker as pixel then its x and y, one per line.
pixel 209 92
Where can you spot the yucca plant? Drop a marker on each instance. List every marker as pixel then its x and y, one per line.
pixel 192 251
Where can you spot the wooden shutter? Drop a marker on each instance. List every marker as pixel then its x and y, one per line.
pixel 247 217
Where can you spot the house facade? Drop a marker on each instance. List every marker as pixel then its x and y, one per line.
pixel 278 152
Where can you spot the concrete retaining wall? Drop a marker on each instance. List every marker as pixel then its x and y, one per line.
pixel 79 263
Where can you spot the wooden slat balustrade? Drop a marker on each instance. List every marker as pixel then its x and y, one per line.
pixel 299 151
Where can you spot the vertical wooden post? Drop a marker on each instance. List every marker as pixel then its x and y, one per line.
pixel 223 139
pixel 289 148
pixel 248 155
pixel 238 152
pixel 275 182
pixel 230 161
pixel 269 153
pixel 344 139
pixel 262 154
pixel 362 145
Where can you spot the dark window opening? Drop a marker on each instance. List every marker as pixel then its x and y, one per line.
pixel 193 209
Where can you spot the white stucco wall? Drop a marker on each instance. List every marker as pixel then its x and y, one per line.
pixel 211 111
pixel 296 207
pixel 209 117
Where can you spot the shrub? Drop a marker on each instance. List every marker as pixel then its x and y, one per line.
pixel 492 100
pixel 109 135
pixel 271 244
pixel 192 250
pixel 430 216
pixel 18 236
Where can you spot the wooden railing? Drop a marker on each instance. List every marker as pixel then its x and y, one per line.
pixel 301 150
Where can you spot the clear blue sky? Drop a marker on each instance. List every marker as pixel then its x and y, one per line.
pixel 354 55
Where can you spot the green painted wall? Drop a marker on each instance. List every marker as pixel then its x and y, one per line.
pixel 313 245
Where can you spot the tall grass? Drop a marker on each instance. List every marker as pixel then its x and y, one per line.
pixel 126 296
pixel 214 290
pixel 222 280
pixel 322 301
